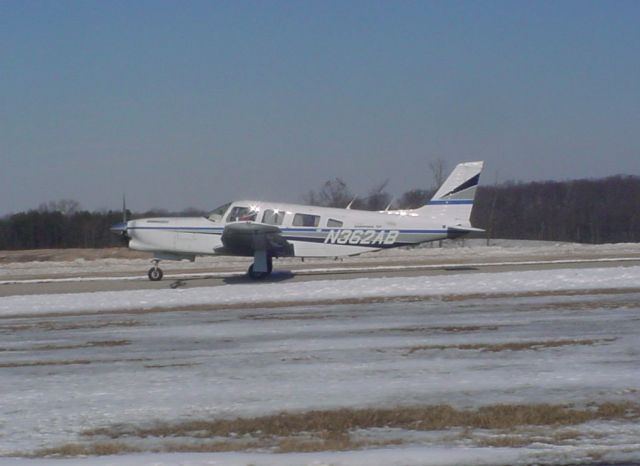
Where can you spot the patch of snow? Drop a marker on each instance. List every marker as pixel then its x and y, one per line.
pixel 411 456
pixel 308 292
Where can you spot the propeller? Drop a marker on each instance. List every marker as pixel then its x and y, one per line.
pixel 124 209
pixel 121 228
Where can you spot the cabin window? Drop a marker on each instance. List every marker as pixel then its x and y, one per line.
pixel 273 217
pixel 306 220
pixel 333 223
pixel 241 214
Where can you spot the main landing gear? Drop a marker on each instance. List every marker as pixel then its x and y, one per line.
pixel 259 270
pixel 155 272
pixel 254 269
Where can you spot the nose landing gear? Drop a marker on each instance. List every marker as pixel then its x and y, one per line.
pixel 155 272
pixel 255 274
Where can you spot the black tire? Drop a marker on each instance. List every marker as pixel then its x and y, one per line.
pixel 256 275
pixel 155 274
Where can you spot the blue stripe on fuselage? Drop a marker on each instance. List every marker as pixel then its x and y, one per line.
pixel 307 229
pixel 178 228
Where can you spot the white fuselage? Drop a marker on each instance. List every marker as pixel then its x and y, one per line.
pixel 313 231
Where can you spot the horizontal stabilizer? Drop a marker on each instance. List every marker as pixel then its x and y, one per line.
pixel 468 229
pixel 457 232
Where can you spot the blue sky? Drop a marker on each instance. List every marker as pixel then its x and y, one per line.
pixel 194 103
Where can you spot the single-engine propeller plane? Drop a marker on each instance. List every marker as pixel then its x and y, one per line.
pixel 264 230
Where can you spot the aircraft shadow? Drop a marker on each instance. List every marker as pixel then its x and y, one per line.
pixel 275 277
pixel 459 269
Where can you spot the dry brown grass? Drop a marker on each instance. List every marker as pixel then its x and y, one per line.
pixel 93 449
pixel 57 326
pixel 6 365
pixel 89 344
pixel 331 430
pixel 505 441
pixel 324 442
pixel 464 328
pixel 436 330
pixel 621 409
pixel 583 305
pixel 68 362
pixel 284 317
pixel 424 418
pixel 162 366
pixel 211 447
pixel 537 294
pixel 511 346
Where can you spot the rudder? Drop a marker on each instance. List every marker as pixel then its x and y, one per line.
pixel 453 201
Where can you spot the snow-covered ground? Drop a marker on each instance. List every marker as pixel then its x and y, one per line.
pixel 130 359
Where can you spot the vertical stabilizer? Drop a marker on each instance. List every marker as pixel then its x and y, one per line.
pixel 452 203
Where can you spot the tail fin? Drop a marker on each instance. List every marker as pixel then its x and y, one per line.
pixel 452 203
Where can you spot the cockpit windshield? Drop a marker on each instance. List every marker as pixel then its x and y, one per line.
pixel 217 214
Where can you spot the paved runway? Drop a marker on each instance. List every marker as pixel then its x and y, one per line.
pixel 291 272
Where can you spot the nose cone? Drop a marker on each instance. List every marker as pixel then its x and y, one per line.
pixel 119 228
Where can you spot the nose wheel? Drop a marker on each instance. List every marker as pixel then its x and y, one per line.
pixel 155 272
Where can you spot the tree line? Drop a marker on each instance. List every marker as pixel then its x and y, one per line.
pixel 64 224
pixel 586 211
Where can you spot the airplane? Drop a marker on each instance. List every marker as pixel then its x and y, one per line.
pixel 267 230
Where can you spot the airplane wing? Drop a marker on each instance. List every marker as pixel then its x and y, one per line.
pixel 457 232
pixel 247 239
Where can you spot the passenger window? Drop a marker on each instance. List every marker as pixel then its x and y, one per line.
pixel 241 214
pixel 273 217
pixel 306 220
pixel 332 223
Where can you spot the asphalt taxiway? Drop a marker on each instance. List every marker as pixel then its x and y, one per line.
pixel 295 272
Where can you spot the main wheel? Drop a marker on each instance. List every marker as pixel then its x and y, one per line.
pixel 155 274
pixel 256 275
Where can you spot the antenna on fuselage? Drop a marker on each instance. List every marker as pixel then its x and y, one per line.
pixel 386 209
pixel 350 203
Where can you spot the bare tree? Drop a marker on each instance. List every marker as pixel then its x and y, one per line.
pixel 334 193
pixel 438 169
pixel 414 198
pixel 377 199
pixel 64 206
